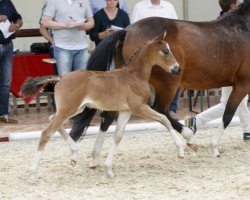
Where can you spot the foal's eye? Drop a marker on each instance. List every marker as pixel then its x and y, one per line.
pixel 166 51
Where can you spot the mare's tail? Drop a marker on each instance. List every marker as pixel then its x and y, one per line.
pixel 100 60
pixel 33 86
pixel 102 56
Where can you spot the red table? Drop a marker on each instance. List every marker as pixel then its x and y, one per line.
pixel 28 65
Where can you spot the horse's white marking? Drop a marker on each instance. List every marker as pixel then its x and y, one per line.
pixel 97 149
pixel 216 139
pixel 34 166
pixel 122 120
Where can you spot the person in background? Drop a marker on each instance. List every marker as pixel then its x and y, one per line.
pixel 97 5
pixel 46 33
pixel 9 13
pixel 153 8
pixel 157 8
pixel 107 17
pixel 69 20
pixel 217 111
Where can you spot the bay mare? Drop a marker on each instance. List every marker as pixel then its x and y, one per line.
pixel 126 90
pixel 211 54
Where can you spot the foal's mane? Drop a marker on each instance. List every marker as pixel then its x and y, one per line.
pixel 136 52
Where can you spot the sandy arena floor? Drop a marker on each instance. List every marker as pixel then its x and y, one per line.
pixel 146 167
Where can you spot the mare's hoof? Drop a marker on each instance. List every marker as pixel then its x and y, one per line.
pixel 73 162
pixel 194 147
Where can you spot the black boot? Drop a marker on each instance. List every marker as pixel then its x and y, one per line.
pixel 246 137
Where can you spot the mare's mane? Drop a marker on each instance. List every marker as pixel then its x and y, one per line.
pixel 103 49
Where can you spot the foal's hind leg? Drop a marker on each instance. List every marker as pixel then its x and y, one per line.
pixel 72 145
pixel 146 112
pixel 234 100
pixel 120 126
pixel 54 125
pixel 107 119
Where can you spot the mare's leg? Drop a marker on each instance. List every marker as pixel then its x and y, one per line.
pixel 53 126
pixel 122 120
pixel 234 100
pixel 107 119
pixel 81 123
pixel 146 112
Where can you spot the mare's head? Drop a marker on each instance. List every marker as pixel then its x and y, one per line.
pixel 159 53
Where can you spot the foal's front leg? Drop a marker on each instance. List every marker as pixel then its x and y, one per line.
pixel 107 120
pixel 122 120
pixel 146 112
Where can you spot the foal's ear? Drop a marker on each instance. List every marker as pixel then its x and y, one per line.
pixel 162 36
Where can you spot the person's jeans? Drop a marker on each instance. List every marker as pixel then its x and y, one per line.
pixel 70 60
pixel 6 59
pixel 174 104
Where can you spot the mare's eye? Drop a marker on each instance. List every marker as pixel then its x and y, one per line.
pixel 166 51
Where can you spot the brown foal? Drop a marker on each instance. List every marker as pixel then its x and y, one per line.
pixel 125 90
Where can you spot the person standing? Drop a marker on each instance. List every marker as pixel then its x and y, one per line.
pixel 107 17
pixel 157 8
pixel 217 111
pixel 46 33
pixel 97 5
pixel 69 20
pixel 153 8
pixel 8 13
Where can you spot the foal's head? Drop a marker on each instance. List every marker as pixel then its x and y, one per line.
pixel 160 54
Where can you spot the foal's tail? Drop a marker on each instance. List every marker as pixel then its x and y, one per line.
pixel 102 56
pixel 33 86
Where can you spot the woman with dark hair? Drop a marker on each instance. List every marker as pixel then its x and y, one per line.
pixel 108 20
pixel 97 5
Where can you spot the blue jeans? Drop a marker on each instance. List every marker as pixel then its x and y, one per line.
pixel 174 104
pixel 6 59
pixel 70 60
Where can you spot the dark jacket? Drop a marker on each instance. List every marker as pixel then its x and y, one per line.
pixel 7 8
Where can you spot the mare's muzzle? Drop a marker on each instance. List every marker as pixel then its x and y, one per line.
pixel 175 70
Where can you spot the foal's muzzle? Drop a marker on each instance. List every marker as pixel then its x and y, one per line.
pixel 175 70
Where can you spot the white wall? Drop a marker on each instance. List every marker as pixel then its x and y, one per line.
pixel 194 10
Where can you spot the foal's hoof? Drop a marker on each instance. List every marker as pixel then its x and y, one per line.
pixel 180 157
pixel 194 147
pixel 94 166
pixel 33 179
pixel 73 162
pixel 216 155
pixel 110 172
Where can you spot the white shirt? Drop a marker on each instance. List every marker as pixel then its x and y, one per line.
pixel 145 9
